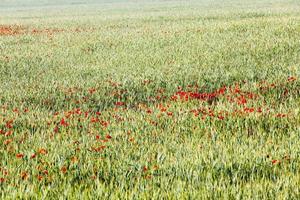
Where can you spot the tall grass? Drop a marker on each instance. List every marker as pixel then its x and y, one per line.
pixel 194 99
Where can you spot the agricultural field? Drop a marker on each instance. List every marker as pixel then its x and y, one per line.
pixel 161 99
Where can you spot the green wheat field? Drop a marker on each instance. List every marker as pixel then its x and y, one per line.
pixel 160 99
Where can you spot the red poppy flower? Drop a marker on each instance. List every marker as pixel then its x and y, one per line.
pixel 94 120
pixel 145 169
pixel 63 122
pixel 163 109
pixel 9 124
pixel 220 117
pixel 4 172
pixel 92 90
pixel 6 142
pixel 42 151
pixel 291 78
pixel 98 149
pixel 281 115
pixel 39 177
pixel 98 137
pixel 242 100
pixel 249 110
pixel 222 90
pixel 108 137
pixel 20 155
pixel 45 172
pixel 119 103
pixel 24 175
pixel 63 169
pixel 55 129
pixel 274 162
pixel 104 123
pixel 174 98
pixel 237 89
pixel 8 133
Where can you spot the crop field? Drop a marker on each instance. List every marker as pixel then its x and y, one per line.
pixel 127 99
